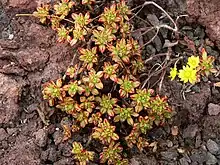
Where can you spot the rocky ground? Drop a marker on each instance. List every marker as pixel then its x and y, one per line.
pixel 30 56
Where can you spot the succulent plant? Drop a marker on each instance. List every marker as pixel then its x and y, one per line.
pixel 121 52
pixel 127 85
pixel 142 99
pixel 145 124
pixel 89 57
pixel 110 71
pixel 42 13
pixel 125 114
pixel 105 132
pixel 81 20
pixel 73 88
pixel 94 79
pixel 106 104
pixel 53 91
pixel 102 37
pixel 80 154
pixel 63 8
pixel 111 153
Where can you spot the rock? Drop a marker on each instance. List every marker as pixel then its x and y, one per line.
pixel 211 127
pixel 198 141
pixel 207 14
pixel 169 155
pixel 4 144
pixel 134 162
pixel 64 161
pixel 31 108
pixel 196 103
pixel 9 95
pixel 12 131
pixel 157 133
pixel 169 143
pixel 24 152
pixel 44 155
pixel 198 156
pixel 152 18
pixel 3 134
pixel 32 59
pixel 52 154
pixel 183 161
pixel 22 4
pixel 150 50
pixel 199 32
pixel 143 159
pixel 190 131
pixel 58 137
pixel 66 149
pixel 212 146
pixel 213 109
pixel 158 44
pixel 41 137
pixel 211 159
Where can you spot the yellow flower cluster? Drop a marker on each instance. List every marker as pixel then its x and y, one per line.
pixel 188 73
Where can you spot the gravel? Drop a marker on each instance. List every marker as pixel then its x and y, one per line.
pixel 169 155
pixel 190 131
pixel 213 109
pixel 41 137
pixel 212 146
pixel 183 161
pixel 211 159
pixel 3 134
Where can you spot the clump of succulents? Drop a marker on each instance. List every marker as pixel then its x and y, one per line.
pixel 108 57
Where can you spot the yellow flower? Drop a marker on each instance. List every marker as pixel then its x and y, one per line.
pixel 173 73
pixel 193 61
pixel 187 74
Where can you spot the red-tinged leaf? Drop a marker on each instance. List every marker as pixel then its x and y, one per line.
pixel 60 39
pixel 96 135
pixel 110 113
pixel 100 74
pixel 89 66
pixel 95 92
pixel 71 4
pixel 51 102
pixel 83 123
pixel 126 59
pixel 135 114
pixel 114 78
pixel 82 99
pixel 120 81
pixel 85 79
pixel 73 42
pixel 99 85
pixel 101 19
pixel 69 39
pixel 102 48
pixel 136 84
pixel 122 93
pixel 115 136
pixel 59 82
pixel 138 108
pixel 130 121
pixel 217 84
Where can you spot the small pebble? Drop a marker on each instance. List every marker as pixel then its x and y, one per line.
pixel 212 146
pixel 213 109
